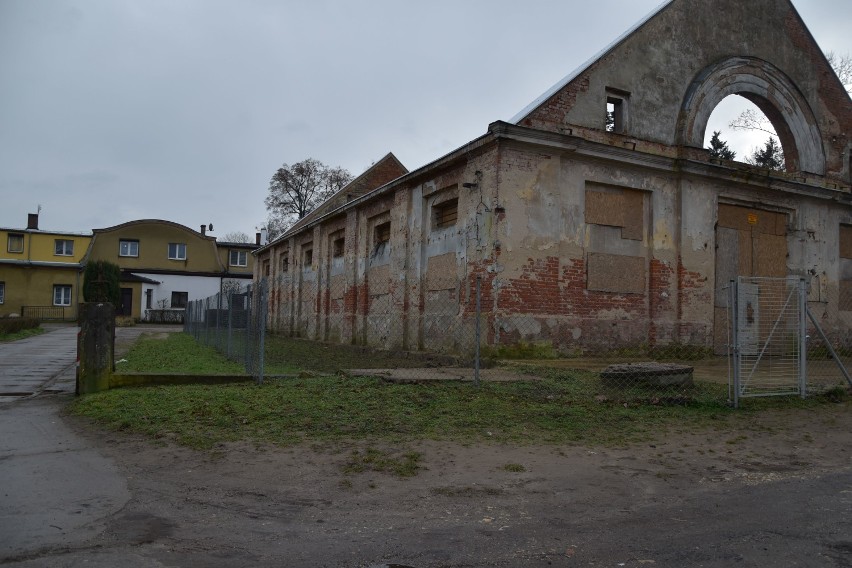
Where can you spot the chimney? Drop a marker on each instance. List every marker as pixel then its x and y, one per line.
pixel 257 239
pixel 32 221
pixel 263 237
pixel 203 230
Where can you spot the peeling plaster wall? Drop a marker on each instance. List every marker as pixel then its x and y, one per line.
pixel 590 240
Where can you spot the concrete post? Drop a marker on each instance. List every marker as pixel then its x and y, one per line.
pixel 96 347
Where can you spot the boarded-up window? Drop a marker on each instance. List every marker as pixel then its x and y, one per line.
pixel 309 258
pixel 617 208
pixel 845 302
pixel 616 273
pixel 445 214
pixel 845 241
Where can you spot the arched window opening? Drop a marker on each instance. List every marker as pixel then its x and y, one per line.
pixel 739 130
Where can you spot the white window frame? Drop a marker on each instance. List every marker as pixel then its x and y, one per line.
pixel 132 248
pixel 175 253
pixel 63 247
pixel 63 290
pixel 16 237
pixel 2 292
pixel 241 256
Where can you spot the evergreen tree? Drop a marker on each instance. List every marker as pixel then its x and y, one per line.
pixel 719 148
pixel 101 282
pixel 771 156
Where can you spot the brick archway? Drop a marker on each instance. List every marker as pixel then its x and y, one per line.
pixel 772 92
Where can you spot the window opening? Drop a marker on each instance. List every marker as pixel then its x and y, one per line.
pixel 239 258
pixel 445 214
pixel 180 299
pixel 616 110
pixel 63 247
pixel 2 292
pixel 177 251
pixel 337 247
pixel 62 295
pixel 381 235
pixel 128 248
pixel 15 243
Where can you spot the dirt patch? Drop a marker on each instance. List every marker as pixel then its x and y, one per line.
pixel 482 505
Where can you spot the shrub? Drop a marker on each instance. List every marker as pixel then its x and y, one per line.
pixel 101 282
pixel 14 325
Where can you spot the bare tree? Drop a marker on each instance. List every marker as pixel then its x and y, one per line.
pixel 842 65
pixel 751 120
pixel 295 191
pixel 236 237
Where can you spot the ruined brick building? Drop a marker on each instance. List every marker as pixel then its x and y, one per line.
pixel 586 237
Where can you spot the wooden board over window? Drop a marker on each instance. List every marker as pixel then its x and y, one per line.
pixel 845 241
pixel 617 208
pixel 616 273
pixel 445 214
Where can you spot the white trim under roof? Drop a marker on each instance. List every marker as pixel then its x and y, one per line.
pixel 574 74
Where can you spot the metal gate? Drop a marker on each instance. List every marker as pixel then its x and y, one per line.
pixel 769 334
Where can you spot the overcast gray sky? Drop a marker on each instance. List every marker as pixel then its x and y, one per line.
pixel 115 110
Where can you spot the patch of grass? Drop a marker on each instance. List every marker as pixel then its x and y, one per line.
pixel 556 406
pixel 371 459
pixel 293 353
pixel 176 353
pixel 324 409
pixel 514 468
pixel 21 334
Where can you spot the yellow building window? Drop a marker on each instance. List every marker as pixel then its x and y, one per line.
pixel 63 247
pixel 15 243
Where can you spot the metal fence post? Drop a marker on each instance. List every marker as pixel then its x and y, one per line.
pixel 249 324
pixel 261 322
pixel 230 323
pixel 735 339
pixel 803 338
pixel 478 334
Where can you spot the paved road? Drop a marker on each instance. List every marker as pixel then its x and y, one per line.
pixel 32 365
pixel 55 488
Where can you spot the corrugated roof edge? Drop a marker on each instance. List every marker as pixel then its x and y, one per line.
pixel 574 74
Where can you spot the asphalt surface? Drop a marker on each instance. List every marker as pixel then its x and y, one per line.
pixel 56 489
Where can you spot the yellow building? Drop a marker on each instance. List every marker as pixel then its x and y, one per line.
pixel 41 271
pixel 164 264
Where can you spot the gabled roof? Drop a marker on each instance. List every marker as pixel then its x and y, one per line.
pixel 382 172
pixel 579 70
pixel 668 73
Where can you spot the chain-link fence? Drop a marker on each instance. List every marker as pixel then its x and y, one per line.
pixel 756 335
pixel 234 322
pixel 453 332
pixel 778 345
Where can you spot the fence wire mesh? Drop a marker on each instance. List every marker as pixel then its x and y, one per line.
pixel 319 326
pixel 787 338
pixel 234 323
pixel 454 333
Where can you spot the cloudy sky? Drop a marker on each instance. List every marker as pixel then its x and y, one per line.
pixel 115 110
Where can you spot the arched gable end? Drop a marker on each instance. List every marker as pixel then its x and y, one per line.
pixel 772 91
